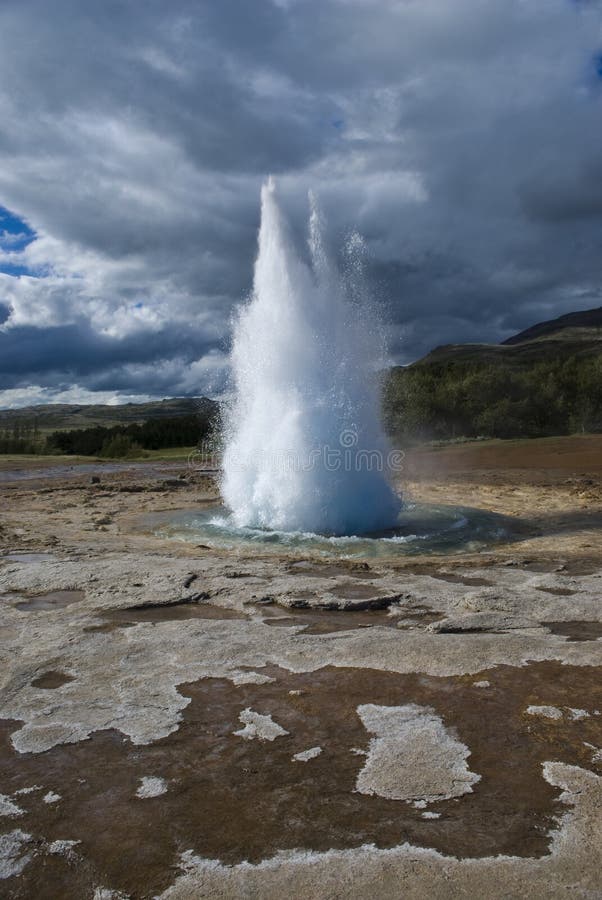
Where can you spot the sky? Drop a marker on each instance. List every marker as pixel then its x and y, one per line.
pixel 461 138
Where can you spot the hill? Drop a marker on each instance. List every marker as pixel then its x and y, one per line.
pixel 576 334
pixel 546 380
pixel 66 417
pixel 575 326
pixel 112 431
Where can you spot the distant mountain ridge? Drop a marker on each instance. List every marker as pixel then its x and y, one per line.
pixel 575 334
pixel 64 416
pixel 587 323
pixel 546 380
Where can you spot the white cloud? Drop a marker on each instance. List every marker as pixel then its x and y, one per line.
pixel 36 395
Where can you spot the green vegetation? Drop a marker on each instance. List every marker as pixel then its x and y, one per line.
pixel 133 440
pixel 113 432
pixel 21 436
pixel 503 395
pixel 545 381
pixel 66 417
pixel 166 453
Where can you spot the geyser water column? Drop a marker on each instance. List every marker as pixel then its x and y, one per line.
pixel 305 450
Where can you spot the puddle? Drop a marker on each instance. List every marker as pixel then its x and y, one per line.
pixel 417 617
pixel 460 579
pixel 562 566
pixel 175 612
pixel 231 800
pixel 350 596
pixel 558 592
pixel 28 557
pixel 52 600
pixel 329 621
pixel 51 680
pixel 108 627
pixel 352 591
pixel 324 621
pixel 576 630
pixel 315 570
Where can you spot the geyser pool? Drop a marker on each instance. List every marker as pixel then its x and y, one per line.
pixel 420 528
pixel 305 451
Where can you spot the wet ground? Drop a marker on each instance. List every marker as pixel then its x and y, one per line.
pixel 170 711
pixel 577 630
pixel 233 800
pixel 49 601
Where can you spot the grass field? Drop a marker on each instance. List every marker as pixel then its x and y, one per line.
pixel 26 461
pixel 165 453
pixel 579 452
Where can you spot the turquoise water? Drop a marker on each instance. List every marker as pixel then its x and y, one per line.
pixel 421 528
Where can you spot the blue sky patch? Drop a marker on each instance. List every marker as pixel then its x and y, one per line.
pixel 15 271
pixel 15 234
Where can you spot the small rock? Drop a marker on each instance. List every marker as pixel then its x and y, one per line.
pixel 260 601
pixel 62 848
pixel 8 808
pixel 306 755
pixel 12 858
pixel 29 790
pixel 150 786
pixel 479 622
pixel 259 727
pixel 577 714
pixel 548 712
pixel 102 893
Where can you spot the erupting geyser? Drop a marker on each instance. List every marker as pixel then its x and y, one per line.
pixel 305 449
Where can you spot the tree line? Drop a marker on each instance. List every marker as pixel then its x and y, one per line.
pixel 501 399
pixel 129 440
pixel 20 437
pixel 109 441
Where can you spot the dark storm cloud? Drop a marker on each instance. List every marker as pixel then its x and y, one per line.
pixel 463 139
pixel 80 351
